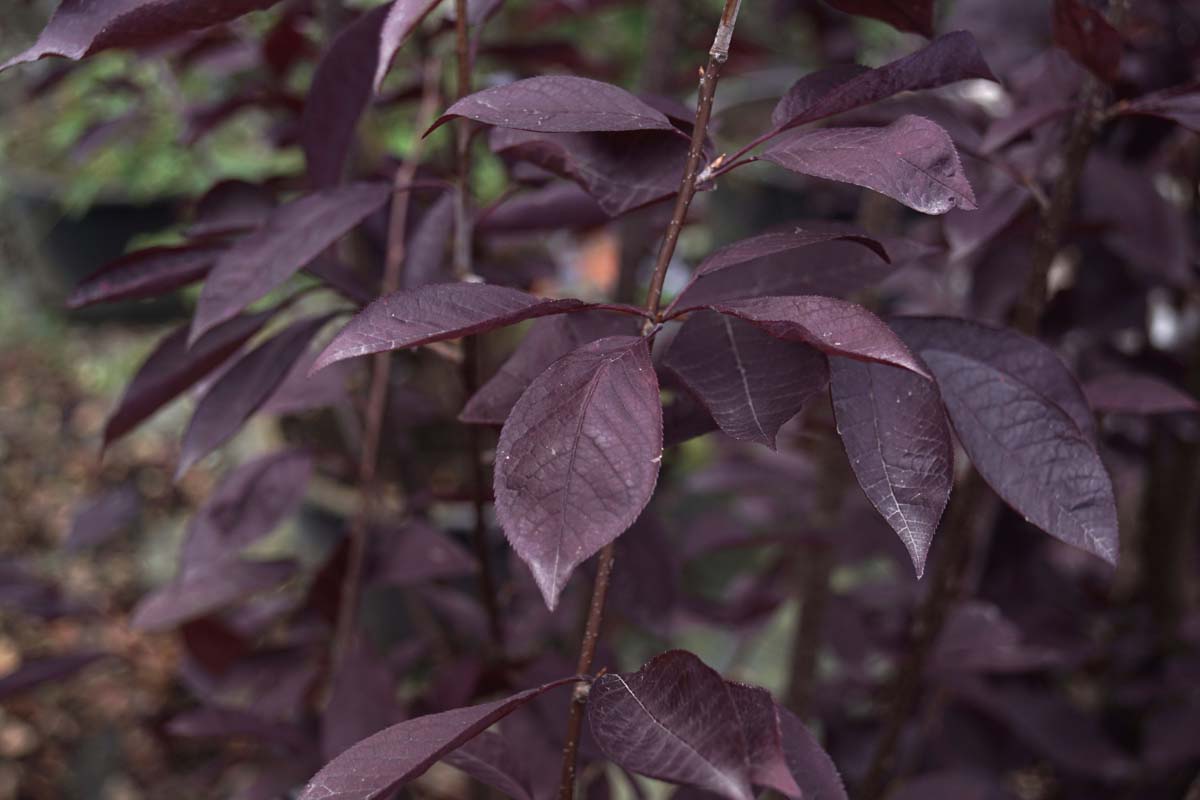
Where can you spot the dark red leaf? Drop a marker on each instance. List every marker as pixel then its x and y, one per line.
pixel 751 382
pixel 947 59
pixel 558 104
pixel 622 171
pixel 1180 104
pixel 896 436
pixel 912 161
pixel 80 28
pixel 434 313
pixel 392 757
pixel 1024 443
pixel 104 516
pixel 578 457
pixel 206 587
pixel 547 341
pixel 403 16
pixel 1085 33
pixel 835 327
pixel 292 236
pixel 911 16
pixel 173 367
pixel 145 273
pixel 340 91
pixel 1135 393
pixel 239 392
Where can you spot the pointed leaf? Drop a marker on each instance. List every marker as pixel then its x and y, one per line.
pixel 1180 104
pixel 674 719
pixel 578 457
pixel 751 382
pixel 204 588
pixel 434 313
pixel 496 760
pixel 339 93
pixel 403 16
pixel 361 701
pixel 1136 393
pixel 811 767
pixel 806 92
pixel 912 161
pixel 763 734
pixel 420 553
pixel 104 516
pixel 1086 34
pixel 911 16
pixel 835 327
pixel 292 236
pixel 548 340
pixel 898 441
pixel 173 367
pixel 425 260
pixel 770 244
pixel 382 763
pixel 1023 442
pixel 947 59
pixel 145 273
pixel 556 205
pixel 558 104
pixel 239 392
pixel 51 669
pixel 80 28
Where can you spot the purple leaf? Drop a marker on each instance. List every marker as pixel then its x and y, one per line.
pixel 80 28
pixel 771 244
pixel 51 669
pixel 1023 442
pixel 947 59
pixel 674 719
pixel 231 207
pixel 556 205
pixel 498 761
pixel 1136 393
pixel 1087 35
pixel 303 391
pixel 547 341
pixel 204 588
pixel 762 732
pixel 578 457
pixel 145 273
pixel 978 638
pixel 292 236
pixel 558 104
pixel 1020 122
pixel 968 231
pixel 806 92
pixel 622 171
pixel 420 553
pixel 361 701
pixel 911 16
pixel 434 313
pixel 403 16
pixel 895 433
pixel 835 327
pixel 227 723
pixel 950 785
pixel 751 382
pixel 240 391
pixel 339 93
pixel 1180 104
pixel 382 763
pixel 173 366
pixel 104 516
pixel 912 161
pixel 425 260
pixel 810 765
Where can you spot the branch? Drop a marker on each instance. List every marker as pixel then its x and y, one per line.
pixel 709 77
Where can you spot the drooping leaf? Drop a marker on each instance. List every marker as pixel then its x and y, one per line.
pixel 238 393
pixel 911 16
pixel 1017 124
pixel 340 91
pixel 145 273
pixel 1180 104
pixel 557 205
pixel 674 719
pixel 968 231
pixel 205 587
pixel 392 757
pixel 578 457
pixel 172 367
pixel 1001 390
pixel 835 327
pixel 403 16
pixel 434 313
pixel 80 28
pixel 548 340
pixel 895 433
pixel 912 161
pixel 622 171
pixel 762 731
pixel 103 516
pixel 809 90
pixel 811 767
pixel 558 104
pixel 771 244
pixel 292 236
pixel 947 59
pixel 498 761
pixel 1137 393
pixel 1086 34
pixel 751 382
pixel 302 390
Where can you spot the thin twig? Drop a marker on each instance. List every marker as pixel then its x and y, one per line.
pixel 464 269
pixel 381 369
pixel 687 190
